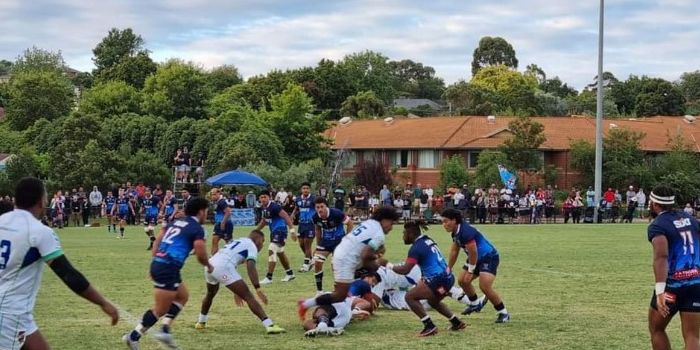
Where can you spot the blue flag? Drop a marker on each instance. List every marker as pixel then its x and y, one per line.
pixel 507 177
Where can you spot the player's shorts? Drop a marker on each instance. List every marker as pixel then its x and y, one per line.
pixel 223 273
pixel 344 270
pixel 227 233
pixel 150 220
pixel 108 211
pixel 683 299
pixel 307 231
pixel 440 285
pixel 165 276
pixel 278 237
pixel 14 330
pixel 327 245
pixel 488 264
pixel 122 215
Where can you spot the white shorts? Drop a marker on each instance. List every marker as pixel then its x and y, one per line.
pixel 396 300
pixel 14 330
pixel 224 274
pixel 344 270
pixel 344 311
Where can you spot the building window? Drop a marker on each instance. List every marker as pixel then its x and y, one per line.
pixel 399 159
pixel 371 156
pixel 428 159
pixel 350 159
pixel 473 159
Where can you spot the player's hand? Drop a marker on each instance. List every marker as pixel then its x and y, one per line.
pixel 111 311
pixel 294 236
pixel 261 296
pixel 210 268
pixel 661 305
pixel 238 300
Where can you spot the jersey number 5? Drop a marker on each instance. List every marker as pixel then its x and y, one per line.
pixel 5 246
pixel 170 235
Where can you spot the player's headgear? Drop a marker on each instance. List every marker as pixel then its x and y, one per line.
pixel 28 192
pixel 195 205
pixel 663 195
pixel 385 213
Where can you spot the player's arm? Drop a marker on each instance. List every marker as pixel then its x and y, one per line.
pixel 318 234
pixel 454 253
pixel 261 224
pixel 200 250
pixel 473 255
pixel 215 244
pixel 290 224
pixel 156 243
pixel 131 206
pixel 349 225
pixel 404 268
pixel 227 217
pixel 255 280
pixel 369 258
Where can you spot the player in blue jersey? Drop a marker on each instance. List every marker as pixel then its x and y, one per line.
pixel 280 223
pixel 108 203
pixel 122 208
pixel 482 263
pixel 436 282
pixel 330 229
pixel 305 209
pixel 172 248
pixel 168 207
pixel 150 207
pixel 223 227
pixel 675 239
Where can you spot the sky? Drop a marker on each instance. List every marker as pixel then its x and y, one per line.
pixel 642 37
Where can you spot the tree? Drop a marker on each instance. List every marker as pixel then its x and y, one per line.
pixel 556 87
pixel 535 71
pixel 38 60
pixel 333 85
pixel 522 149
pixel 42 135
pixel 117 45
pixel 423 111
pixel 363 105
pixel 222 77
pixel 11 140
pixel 453 171
pixel 133 70
pixel 370 71
pixel 678 168
pixel 659 97
pixel 176 91
pixel 550 104
pixel 413 79
pixel 254 143
pixel 623 159
pixel 609 80
pixel 373 174
pixel 512 88
pixel 493 51
pixel 586 102
pixel 38 94
pixel 111 99
pixel 147 168
pixel 4 94
pixel 5 67
pixel 582 159
pixel 136 131
pixel 83 80
pixel 690 86
pixel 23 164
pixel 487 168
pixel 76 131
pixel 468 99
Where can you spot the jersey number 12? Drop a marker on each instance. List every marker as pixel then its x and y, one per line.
pixel 170 235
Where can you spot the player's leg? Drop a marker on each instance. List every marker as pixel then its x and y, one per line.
pixel 413 299
pixel 486 280
pixel 36 341
pixel 475 303
pixel 241 290
pixel 212 289
pixel 284 260
pixel 657 329
pixel 319 312
pixel 690 325
pixel 340 292
pixel 320 257
pixel 163 299
pixel 271 262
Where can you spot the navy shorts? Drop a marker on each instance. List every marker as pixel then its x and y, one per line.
pixel 307 231
pixel 488 264
pixel 683 299
pixel 227 233
pixel 150 220
pixel 441 285
pixel 122 215
pixel 278 237
pixel 165 276
pixel 328 245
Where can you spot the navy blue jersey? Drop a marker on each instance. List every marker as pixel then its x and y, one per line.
pixel 359 288
pixel 333 227
pixel 109 203
pixel 681 231
pixel 221 206
pixel 150 206
pixel 170 206
pixel 123 205
pixel 467 233
pixel 271 214
pixel 178 241
pixel 307 208
pixel 425 253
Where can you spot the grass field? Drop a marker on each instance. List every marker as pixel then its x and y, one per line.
pixel 567 287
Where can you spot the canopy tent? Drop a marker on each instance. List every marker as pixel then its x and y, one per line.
pixel 237 178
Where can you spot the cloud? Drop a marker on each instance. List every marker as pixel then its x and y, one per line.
pixel 657 38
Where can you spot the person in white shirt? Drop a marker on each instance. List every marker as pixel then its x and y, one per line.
pixel 689 209
pixel 281 196
pixel 96 202
pixel 457 197
pixel 429 192
pixel 641 202
pixel 25 245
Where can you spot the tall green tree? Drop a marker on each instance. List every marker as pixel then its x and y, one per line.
pixel 222 77
pixel 254 143
pixel 679 168
pixel 536 72
pixel 453 171
pixel 522 150
pixel 5 67
pixel 487 168
pixel 38 94
pixel 690 86
pixel 364 105
pixel 469 99
pixel 370 71
pixel 513 89
pixel 414 80
pixel 176 91
pixel 493 51
pixel 65 158
pixel 659 97
pixel 117 45
pixel 623 159
pixel 582 159
pixel 35 59
pixel 556 87
pixel 111 99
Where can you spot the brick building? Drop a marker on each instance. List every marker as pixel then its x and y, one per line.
pixel 417 146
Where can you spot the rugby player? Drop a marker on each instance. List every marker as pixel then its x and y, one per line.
pixel 121 210
pixel 305 209
pixel 280 223
pixel 330 229
pixel 223 227
pixel 109 201
pixel 150 208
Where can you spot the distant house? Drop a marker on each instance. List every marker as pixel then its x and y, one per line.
pixel 4 158
pixel 412 103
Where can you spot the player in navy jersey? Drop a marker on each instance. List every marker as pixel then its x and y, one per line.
pixel 172 248
pixel 150 207
pixel 675 239
pixel 330 229
pixel 122 208
pixel 109 205
pixel 482 263
pixel 223 227
pixel 436 282
pixel 280 224
pixel 168 207
pixel 305 209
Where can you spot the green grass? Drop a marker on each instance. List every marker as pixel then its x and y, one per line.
pixel 567 287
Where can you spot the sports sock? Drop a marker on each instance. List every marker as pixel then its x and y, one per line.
pixel 472 298
pixel 114 227
pixel 269 276
pixel 148 320
pixel 203 318
pixel 454 320
pixel 175 309
pixel 323 319
pixel 267 322
pixel 290 272
pixel 309 303
pixel 307 261
pixel 121 231
pixel 500 308
pixel 427 322
pixel 319 281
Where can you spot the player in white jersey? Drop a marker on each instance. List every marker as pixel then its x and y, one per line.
pixel 358 249
pixel 237 252
pixel 329 319
pixel 25 245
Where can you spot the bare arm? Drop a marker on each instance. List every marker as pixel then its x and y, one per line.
pixel 287 218
pixel 318 235
pixel 473 253
pixel 369 258
pixel 214 244
pixel 156 244
pixel 660 247
pixel 349 226
pixel 261 224
pixel 200 250
pixel 253 274
pixel 454 253
pixel 227 217
pixel 404 269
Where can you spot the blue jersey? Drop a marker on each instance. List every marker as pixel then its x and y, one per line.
pixel 178 241
pixel 109 203
pixel 359 288
pixel 466 234
pixel 123 205
pixel 425 253
pixel 271 214
pixel 150 206
pixel 170 206
pixel 307 208
pixel 333 227
pixel 682 232
pixel 221 206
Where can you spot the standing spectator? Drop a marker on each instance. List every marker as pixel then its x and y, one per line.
pixel 374 204
pixel 179 163
pixel 140 190
pixel 406 209
pixel 67 209
pixel 438 204
pixel 199 170
pixel 187 160
pixel 323 192
pixel 398 204
pixel 250 199
pixel 568 207
pixel 96 202
pixel 590 197
pixel 689 209
pixel 57 210
pixel 609 195
pixel 577 208
pixel 447 199
pixel 641 202
pixel 429 191
pixel 158 191
pixel 86 211
pixel 424 200
pixel 81 193
pixel 77 209
pixel 417 191
pixel 339 196
pixel 385 196
pixel 281 196
pixel 630 194
pixel 631 207
pixel 457 198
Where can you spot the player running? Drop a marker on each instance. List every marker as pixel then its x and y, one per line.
pixel 436 282
pixel 675 239
pixel 330 230
pixel 279 221
pixel 172 248
pixel 121 209
pixel 108 203
pixel 150 209
pixel 357 249
pixel 482 263
pixel 223 227
pixel 25 245
pixel 305 208
pixel 243 250
pixel 167 210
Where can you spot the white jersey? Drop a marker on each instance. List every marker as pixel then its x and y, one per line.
pixel 343 310
pixel 349 251
pixel 235 253
pixel 25 244
pixel 392 281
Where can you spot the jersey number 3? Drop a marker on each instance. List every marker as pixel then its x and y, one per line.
pixel 5 246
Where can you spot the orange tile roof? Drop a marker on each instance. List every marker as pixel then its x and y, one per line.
pixel 476 132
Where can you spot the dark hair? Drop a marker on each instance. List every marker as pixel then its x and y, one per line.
pixel 305 184
pixel 664 190
pixel 416 225
pixel 264 193
pixel 452 214
pixel 385 213
pixel 257 232
pixel 28 192
pixel 320 200
pixel 6 206
pixel 195 205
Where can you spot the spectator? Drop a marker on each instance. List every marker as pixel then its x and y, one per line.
pixel 447 199
pixel 57 210
pixel 438 204
pixel 590 197
pixel 398 204
pixel 406 209
pixel 250 199
pixel 568 207
pixel 609 196
pixel 689 209
pixel 140 190
pixel 641 202
pixel 86 211
pixel 323 192
pixel 339 196
pixel 429 191
pixel 179 162
pixel 374 203
pixel 158 191
pixel 199 170
pixel 631 207
pixel 577 208
pixel 630 194
pixel 424 200
pixel 457 198
pixel 281 196
pixel 67 209
pixel 385 196
pixel 187 160
pixel 417 191
pixel 96 202
pixel 76 208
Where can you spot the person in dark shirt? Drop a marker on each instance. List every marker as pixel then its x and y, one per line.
pixel 187 161
pixel 339 196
